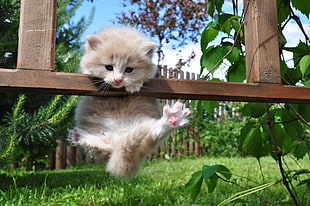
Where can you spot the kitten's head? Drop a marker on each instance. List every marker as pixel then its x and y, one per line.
pixel 121 56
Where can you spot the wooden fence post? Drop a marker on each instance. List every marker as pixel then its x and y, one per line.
pixel 60 155
pixel 71 156
pixel 261 41
pixel 36 45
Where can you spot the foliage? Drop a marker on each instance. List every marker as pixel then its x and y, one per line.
pixel 8 32
pixel 173 23
pixel 219 133
pixel 34 133
pixel 271 129
pixel 31 126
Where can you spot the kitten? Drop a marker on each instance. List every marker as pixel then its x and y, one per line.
pixel 122 131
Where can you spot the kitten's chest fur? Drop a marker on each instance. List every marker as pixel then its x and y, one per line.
pixel 108 114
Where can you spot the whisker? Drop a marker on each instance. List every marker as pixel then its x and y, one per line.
pixel 144 87
pixel 101 85
pixel 98 81
pixel 104 87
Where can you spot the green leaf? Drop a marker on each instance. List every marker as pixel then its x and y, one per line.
pixel 210 106
pixel 301 150
pixel 305 65
pixel 211 57
pixel 302 6
pixel 224 171
pixel 245 132
pixel 255 110
pixel 228 22
pixel 298 52
pixel 300 172
pixel 306 181
pixel 208 171
pixel 292 76
pixel 254 143
pixel 214 5
pixel 210 175
pixel 304 111
pixel 283 10
pixel 236 72
pixel 212 183
pixel 193 186
pixel 284 69
pixel 307 82
pixel 208 35
pixel 279 134
pixel 288 145
pixel 224 22
pixel 293 129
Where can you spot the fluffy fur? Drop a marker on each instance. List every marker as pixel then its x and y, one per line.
pixel 123 131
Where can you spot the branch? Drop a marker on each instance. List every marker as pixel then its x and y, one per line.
pixel 298 115
pixel 297 20
pixel 284 122
pixel 279 157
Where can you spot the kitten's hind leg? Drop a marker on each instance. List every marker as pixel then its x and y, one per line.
pixel 81 137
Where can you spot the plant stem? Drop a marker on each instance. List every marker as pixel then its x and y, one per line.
pixel 298 115
pixel 257 195
pixel 279 156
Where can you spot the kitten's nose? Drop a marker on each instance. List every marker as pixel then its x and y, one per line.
pixel 118 81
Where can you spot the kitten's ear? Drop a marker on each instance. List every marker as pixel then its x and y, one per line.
pixel 92 42
pixel 149 48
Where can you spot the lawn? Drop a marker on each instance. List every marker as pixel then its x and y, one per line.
pixel 160 182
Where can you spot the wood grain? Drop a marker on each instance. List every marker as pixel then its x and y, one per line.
pixel 23 81
pixel 36 45
pixel 261 41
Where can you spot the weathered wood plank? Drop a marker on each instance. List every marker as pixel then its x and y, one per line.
pixel 261 41
pixel 24 81
pixel 36 45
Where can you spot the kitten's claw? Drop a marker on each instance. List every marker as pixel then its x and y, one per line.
pixel 176 116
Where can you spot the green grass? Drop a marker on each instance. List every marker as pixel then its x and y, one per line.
pixel 159 183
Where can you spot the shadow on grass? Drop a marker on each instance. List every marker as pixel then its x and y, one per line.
pixel 89 185
pixel 62 178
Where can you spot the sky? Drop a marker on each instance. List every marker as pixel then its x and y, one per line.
pixel 106 12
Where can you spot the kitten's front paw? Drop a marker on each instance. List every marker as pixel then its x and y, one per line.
pixel 176 116
pixel 133 88
pixel 75 136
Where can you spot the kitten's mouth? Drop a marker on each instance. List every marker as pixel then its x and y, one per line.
pixel 117 86
pixel 105 86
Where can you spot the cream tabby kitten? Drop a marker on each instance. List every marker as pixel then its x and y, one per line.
pixel 123 131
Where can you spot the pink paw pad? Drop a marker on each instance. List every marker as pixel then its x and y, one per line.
pixel 176 116
pixel 73 137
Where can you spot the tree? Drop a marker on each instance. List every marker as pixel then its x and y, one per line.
pixel 278 130
pixel 31 124
pixel 8 33
pixel 170 22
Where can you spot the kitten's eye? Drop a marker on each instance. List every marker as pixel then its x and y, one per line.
pixel 109 67
pixel 129 70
